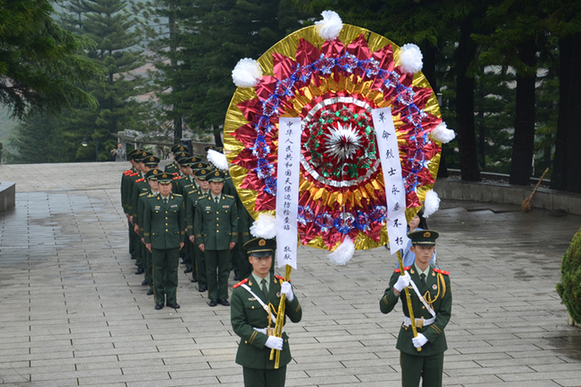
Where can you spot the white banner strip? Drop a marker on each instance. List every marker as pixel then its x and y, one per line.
pixel 287 190
pixel 394 187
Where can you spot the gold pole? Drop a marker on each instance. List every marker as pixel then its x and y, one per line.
pixel 280 318
pixel 408 298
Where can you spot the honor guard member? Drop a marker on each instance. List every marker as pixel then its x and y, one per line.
pixel 199 274
pixel 151 177
pixel 164 235
pixel 131 186
pixel 141 186
pixel 186 184
pixel 431 298
pixel 216 233
pixel 173 166
pixel 254 302
pixel 124 200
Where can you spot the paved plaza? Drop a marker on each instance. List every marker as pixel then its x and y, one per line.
pixel 73 313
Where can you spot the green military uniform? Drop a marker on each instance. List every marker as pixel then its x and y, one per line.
pixel 141 206
pixel 164 228
pixel 427 363
pixel 125 178
pixel 199 263
pixel 246 314
pixel 216 226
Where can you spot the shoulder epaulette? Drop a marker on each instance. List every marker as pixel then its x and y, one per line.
pixel 240 283
pixel 127 172
pixel 134 174
pixel 144 193
pixel 139 180
pixel 281 278
pixel 405 268
pixel 442 271
pixel 177 195
pixel 151 195
pixel 229 196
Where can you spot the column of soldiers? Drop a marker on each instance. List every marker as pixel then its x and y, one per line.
pixel 208 235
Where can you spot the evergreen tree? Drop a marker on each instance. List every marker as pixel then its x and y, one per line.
pixel 40 65
pixel 123 94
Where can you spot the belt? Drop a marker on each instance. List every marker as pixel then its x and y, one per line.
pixel 263 330
pixel 420 322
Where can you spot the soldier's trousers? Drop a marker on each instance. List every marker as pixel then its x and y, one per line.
pixel 200 266
pixel 165 274
pixel 264 378
pixel 148 268
pixel 428 368
pixel 217 283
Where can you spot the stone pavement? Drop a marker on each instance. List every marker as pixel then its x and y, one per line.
pixel 73 313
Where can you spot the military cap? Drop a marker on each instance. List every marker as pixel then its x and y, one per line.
pixel 202 174
pixel 216 175
pixel 260 247
pixel 152 174
pixel 424 237
pixel 151 161
pixel 214 148
pixel 200 165
pixel 178 148
pixel 190 161
pixel 181 155
pixel 134 154
pixel 165 178
pixel 142 156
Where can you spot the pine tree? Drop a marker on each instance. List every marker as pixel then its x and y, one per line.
pixel 122 96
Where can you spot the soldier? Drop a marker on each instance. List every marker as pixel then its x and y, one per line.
pixel 151 177
pixel 252 300
pixel 141 186
pixel 431 298
pixel 173 166
pixel 216 233
pixel 127 175
pixel 199 263
pixel 164 235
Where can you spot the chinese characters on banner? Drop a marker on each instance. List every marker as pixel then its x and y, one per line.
pixel 394 188
pixel 287 190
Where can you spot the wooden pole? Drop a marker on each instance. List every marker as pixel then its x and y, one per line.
pixel 408 298
pixel 280 319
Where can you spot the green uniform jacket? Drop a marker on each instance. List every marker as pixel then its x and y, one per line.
pixel 191 202
pixel 246 314
pixel 142 204
pixel 438 292
pixel 139 187
pixel 171 167
pixel 216 227
pixel 164 224
pixel 125 181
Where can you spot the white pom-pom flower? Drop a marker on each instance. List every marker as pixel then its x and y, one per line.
pixel 217 159
pixel 343 253
pixel 247 73
pixel 264 226
pixel 330 26
pixel 410 58
pixel 431 204
pixel 442 133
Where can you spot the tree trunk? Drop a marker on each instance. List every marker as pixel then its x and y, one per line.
pixel 465 54
pixel 559 174
pixel 524 126
pixel 573 127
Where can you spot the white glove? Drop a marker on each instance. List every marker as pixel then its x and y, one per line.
pixel 287 289
pixel 419 341
pixel 274 342
pixel 402 282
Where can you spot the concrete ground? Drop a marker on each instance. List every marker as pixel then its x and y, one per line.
pixel 73 313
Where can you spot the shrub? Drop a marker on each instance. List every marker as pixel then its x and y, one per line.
pixel 570 287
